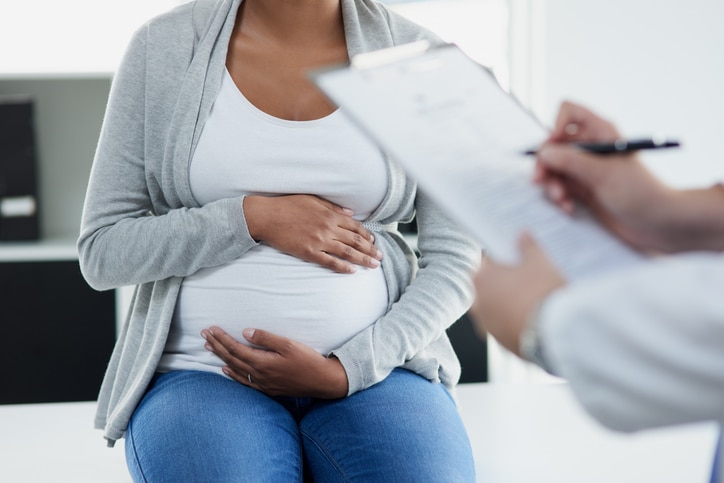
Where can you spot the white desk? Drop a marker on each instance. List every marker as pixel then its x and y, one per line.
pixel 539 434
pixel 528 434
pixel 56 443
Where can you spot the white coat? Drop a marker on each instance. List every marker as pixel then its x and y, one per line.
pixel 642 347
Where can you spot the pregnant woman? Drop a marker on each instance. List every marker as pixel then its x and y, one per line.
pixel 281 328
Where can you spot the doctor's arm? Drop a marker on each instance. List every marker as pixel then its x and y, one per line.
pixel 641 348
pixel 644 347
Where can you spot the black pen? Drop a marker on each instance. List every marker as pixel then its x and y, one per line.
pixel 619 146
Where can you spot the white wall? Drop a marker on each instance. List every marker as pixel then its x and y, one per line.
pixel 479 27
pixel 652 66
pixel 50 37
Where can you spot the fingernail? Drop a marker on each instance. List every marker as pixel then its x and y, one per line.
pixel 544 154
pixel 554 191
pixel 571 129
pixel 204 334
pixel 248 333
pixel 379 255
pixel 347 211
pixel 207 346
pixel 374 262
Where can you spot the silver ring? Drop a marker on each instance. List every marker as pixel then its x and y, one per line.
pixel 248 377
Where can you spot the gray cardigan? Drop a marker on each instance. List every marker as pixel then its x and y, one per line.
pixel 142 226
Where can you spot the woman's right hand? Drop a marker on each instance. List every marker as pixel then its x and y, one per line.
pixel 311 229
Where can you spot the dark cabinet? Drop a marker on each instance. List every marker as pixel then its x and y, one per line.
pixel 56 333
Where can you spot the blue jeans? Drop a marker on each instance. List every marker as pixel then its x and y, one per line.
pixel 198 426
pixel 716 466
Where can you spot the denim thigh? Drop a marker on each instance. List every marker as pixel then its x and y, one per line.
pixel 202 427
pixel 403 429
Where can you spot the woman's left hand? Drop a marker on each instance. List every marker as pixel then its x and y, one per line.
pixel 506 295
pixel 278 366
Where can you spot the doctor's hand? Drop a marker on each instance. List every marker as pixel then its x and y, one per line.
pixel 618 189
pixel 507 295
pixel 311 229
pixel 278 366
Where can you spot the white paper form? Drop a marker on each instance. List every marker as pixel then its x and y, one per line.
pixel 454 130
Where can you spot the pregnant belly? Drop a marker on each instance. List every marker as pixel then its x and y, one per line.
pixel 266 289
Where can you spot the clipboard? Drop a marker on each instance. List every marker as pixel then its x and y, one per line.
pixel 454 130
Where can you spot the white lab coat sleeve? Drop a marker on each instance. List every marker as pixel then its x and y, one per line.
pixel 643 347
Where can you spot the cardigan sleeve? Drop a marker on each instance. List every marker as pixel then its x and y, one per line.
pixel 440 292
pixel 644 347
pixel 412 333
pixel 130 232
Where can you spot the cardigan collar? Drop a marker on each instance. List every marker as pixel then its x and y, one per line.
pixel 213 24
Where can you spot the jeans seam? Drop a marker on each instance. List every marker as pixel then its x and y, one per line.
pixel 137 462
pixel 326 454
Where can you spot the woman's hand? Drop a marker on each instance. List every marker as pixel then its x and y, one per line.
pixel 278 366
pixel 507 295
pixel 311 229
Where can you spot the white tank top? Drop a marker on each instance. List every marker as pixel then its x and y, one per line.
pixel 243 150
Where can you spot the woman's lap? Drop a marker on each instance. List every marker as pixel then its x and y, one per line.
pixel 401 429
pixel 197 426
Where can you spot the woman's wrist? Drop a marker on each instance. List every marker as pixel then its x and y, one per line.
pixel 255 208
pixel 336 385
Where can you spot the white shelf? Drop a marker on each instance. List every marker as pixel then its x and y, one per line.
pixel 38 251
pixel 65 149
